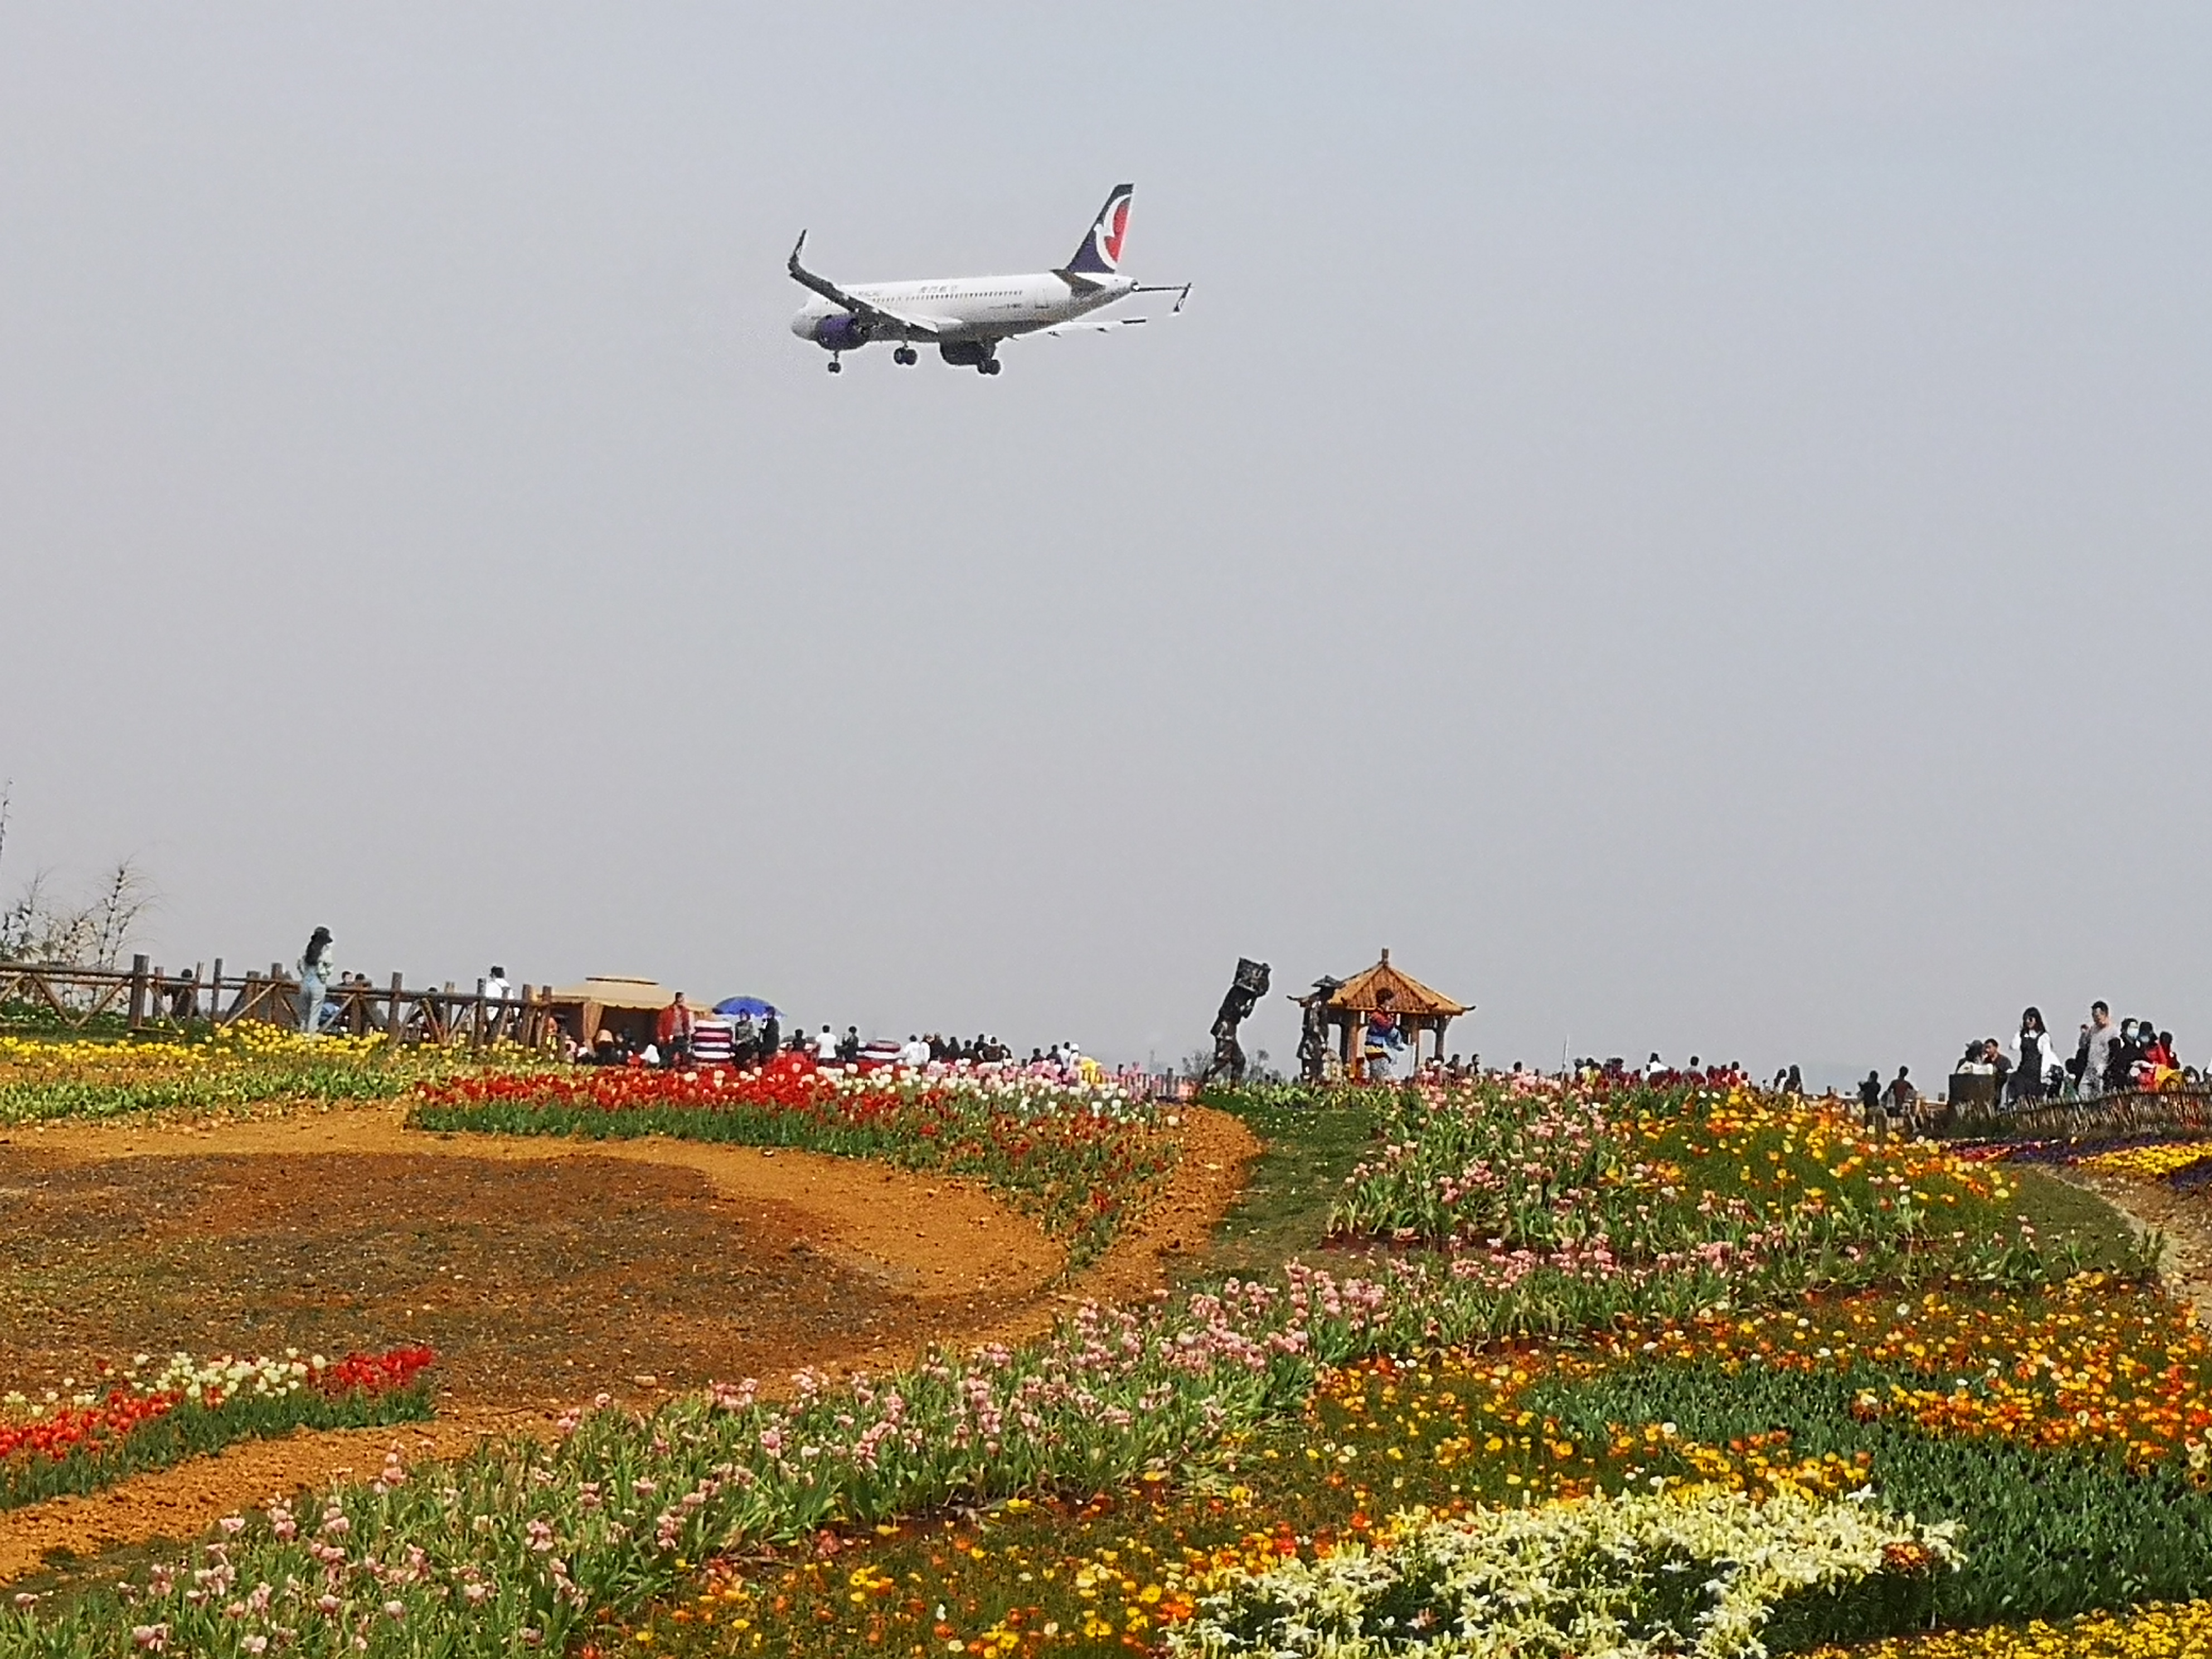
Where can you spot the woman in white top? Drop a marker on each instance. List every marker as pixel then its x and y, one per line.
pixel 2037 1059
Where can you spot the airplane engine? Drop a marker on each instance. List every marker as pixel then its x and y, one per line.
pixel 964 353
pixel 840 333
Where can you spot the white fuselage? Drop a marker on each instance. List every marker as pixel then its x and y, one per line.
pixel 983 308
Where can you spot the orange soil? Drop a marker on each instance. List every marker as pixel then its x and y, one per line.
pixel 771 1260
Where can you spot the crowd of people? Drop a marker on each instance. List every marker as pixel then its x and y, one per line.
pixel 684 1038
pixel 2110 1057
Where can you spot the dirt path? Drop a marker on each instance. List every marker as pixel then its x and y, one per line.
pixel 2185 1218
pixel 481 1240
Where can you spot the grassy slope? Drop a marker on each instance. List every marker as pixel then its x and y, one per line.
pixel 2060 1209
pixel 1284 1210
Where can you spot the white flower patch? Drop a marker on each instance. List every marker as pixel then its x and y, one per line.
pixel 1696 1573
pixel 215 1380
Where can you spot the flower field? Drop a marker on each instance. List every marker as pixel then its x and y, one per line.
pixel 1646 1371
pixel 135 1420
pixel 1647 1181
pixel 1084 1159
pixel 240 1065
pixel 2067 1515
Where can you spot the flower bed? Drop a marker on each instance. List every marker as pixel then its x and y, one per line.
pixel 1702 1573
pixel 138 1422
pixel 2157 1631
pixel 1083 1159
pixel 240 1065
pixel 1660 1179
pixel 2181 1157
pixel 2154 1161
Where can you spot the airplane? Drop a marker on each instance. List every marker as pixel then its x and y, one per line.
pixel 967 318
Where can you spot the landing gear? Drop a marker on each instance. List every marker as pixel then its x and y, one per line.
pixel 981 355
pixel 835 367
pixel 906 357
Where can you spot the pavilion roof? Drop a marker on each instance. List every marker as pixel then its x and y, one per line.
pixel 1362 993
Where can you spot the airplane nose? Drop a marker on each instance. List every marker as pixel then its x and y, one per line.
pixel 803 326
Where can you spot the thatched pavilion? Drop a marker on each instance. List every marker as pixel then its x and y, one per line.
pixel 1382 987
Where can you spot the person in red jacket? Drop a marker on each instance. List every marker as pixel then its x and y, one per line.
pixel 673 1034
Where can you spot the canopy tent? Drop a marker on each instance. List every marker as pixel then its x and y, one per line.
pixel 631 1008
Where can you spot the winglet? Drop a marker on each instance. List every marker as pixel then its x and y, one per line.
pixel 807 279
pixel 879 318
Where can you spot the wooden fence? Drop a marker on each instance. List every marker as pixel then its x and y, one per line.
pixel 148 997
pixel 2126 1114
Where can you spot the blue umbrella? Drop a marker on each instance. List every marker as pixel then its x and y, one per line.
pixel 753 1006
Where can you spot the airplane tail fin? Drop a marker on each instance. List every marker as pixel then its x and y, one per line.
pixel 1099 254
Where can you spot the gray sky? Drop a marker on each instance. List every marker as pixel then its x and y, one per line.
pixel 1686 523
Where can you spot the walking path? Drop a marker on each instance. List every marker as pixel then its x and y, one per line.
pixel 2185 1220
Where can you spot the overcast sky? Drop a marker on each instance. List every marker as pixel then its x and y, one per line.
pixel 1687 523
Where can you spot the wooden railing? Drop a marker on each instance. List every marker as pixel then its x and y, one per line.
pixel 146 997
pixel 2121 1115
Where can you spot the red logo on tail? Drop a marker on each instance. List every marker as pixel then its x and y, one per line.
pixel 1115 226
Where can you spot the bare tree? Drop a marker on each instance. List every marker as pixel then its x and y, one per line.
pixel 37 927
pixel 22 924
pixel 124 897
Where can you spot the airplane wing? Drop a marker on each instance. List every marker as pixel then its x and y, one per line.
pixel 1081 325
pixel 1096 324
pixel 867 310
